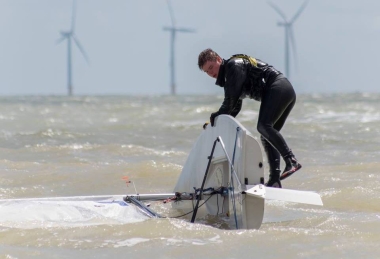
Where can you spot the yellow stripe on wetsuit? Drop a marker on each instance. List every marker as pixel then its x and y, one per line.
pixel 251 60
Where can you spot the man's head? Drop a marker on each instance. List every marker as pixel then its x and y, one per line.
pixel 209 61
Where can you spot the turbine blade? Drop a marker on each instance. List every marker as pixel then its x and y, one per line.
pixel 81 48
pixel 293 46
pixel 167 28
pixel 60 40
pixel 278 10
pixel 171 12
pixel 73 16
pixel 184 30
pixel 299 11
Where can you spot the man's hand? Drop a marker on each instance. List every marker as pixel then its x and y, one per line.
pixel 205 125
pixel 212 117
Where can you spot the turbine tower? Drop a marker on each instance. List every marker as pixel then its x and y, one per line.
pixel 289 36
pixel 173 30
pixel 70 36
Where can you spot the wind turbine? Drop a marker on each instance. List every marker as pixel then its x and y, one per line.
pixel 289 36
pixel 70 36
pixel 173 30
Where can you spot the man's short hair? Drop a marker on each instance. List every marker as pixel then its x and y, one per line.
pixel 206 55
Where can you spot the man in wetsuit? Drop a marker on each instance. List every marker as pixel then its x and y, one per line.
pixel 242 76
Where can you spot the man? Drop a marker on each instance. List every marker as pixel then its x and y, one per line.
pixel 242 76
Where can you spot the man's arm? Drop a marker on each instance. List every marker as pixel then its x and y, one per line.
pixel 235 111
pixel 235 78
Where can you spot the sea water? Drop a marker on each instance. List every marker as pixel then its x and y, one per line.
pixel 52 146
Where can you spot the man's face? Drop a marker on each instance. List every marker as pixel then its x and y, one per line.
pixel 212 67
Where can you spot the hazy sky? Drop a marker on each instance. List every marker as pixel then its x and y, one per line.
pixel 337 43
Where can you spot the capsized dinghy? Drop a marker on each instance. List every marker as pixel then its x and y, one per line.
pixel 224 172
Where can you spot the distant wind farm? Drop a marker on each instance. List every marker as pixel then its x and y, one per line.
pixel 289 35
pixel 71 37
pixel 173 31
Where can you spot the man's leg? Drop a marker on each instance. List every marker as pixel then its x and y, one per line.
pixel 273 158
pixel 276 104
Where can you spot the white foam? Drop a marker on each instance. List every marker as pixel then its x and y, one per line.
pixel 131 242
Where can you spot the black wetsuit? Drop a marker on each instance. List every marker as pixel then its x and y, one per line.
pixel 240 79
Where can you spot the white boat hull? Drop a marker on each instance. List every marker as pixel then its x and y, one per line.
pixel 245 154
